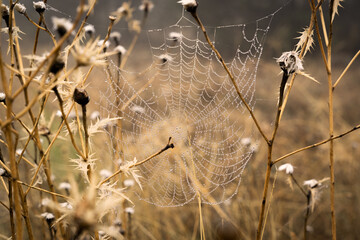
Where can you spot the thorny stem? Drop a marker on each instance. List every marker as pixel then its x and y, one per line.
pixel 168 146
pixel 194 14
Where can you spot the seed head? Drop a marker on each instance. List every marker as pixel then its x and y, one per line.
pixel 146 6
pixel 165 58
pixel 65 186
pixel 129 182
pixel 20 8
pixel 101 43
pixel 89 29
pixel 312 183
pixel 290 62
pixel 5 13
pixel 175 36
pixel 2 172
pixel 287 167
pixel 115 36
pixel 2 97
pixel 95 115
pixel 57 66
pixel 189 5
pixel 105 173
pixel 81 96
pixel 61 25
pixel 39 6
pixel 120 49
pixel 130 210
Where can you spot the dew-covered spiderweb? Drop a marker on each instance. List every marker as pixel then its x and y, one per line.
pixel 185 93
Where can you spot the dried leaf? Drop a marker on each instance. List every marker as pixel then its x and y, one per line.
pixel 305 37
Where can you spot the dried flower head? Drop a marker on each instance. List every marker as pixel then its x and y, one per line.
pixel 5 13
pixel 2 97
pixel 95 115
pixel 104 173
pixel 287 167
pixel 120 50
pixel 165 58
pixel 89 29
pixel 146 6
pixel 312 183
pixel 246 141
pixel 61 25
pixel 135 26
pixel 137 109
pixel 2 172
pixel 290 62
pixel 49 217
pixel 105 45
pixel 130 210
pixel 57 65
pixel 124 11
pixel 20 8
pixel 65 186
pixel 175 36
pixel 81 96
pixel 39 6
pixel 129 182
pixel 115 36
pixel 189 5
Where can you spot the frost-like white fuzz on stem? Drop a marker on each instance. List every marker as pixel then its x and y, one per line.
pixel 146 6
pixel 115 36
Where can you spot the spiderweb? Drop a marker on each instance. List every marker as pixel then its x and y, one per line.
pixel 186 94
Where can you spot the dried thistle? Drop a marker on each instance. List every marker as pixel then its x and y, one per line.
pixel 290 62
pixel 189 5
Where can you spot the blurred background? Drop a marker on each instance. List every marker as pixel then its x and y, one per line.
pixel 304 122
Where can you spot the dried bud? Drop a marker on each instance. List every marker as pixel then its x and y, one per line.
pixel 115 36
pixel 39 6
pixel 81 96
pixel 57 66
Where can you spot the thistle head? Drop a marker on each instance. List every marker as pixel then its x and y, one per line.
pixel 20 8
pixel 290 62
pixel 81 96
pixel 39 6
pixel 287 167
pixel 189 5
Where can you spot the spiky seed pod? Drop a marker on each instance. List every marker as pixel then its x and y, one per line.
pixel 81 96
pixel 57 66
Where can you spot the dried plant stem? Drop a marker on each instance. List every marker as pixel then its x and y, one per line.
pixel 194 14
pixel 331 127
pixel 346 69
pixel 316 144
pixel 12 223
pixel 168 146
pixel 61 105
